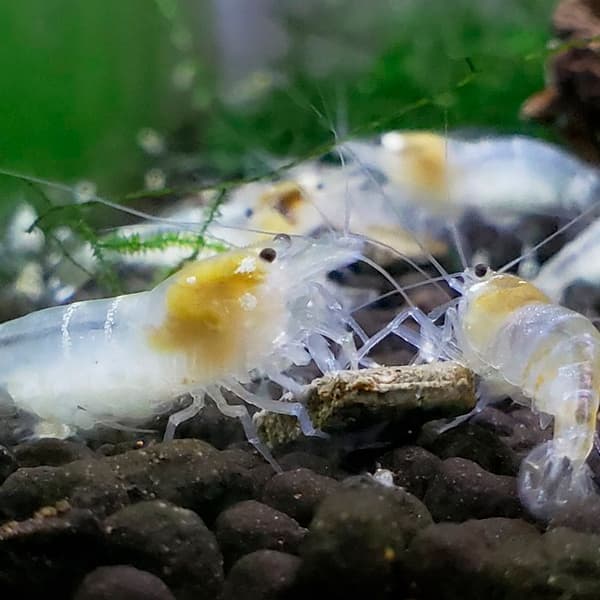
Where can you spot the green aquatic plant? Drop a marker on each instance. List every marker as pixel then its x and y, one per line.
pixel 390 66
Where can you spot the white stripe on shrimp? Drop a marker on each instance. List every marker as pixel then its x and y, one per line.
pixel 211 326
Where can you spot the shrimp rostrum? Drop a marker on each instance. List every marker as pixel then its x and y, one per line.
pixel 213 326
pixel 538 353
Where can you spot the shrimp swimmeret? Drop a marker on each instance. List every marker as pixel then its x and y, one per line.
pixel 212 326
pixel 540 354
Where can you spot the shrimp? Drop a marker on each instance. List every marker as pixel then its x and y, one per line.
pixel 575 262
pixel 312 198
pixel 508 182
pixel 541 354
pixel 506 177
pixel 215 325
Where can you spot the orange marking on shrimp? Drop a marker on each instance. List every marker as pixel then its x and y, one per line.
pixel 207 306
pixel 506 293
pixel 491 303
pixel 423 156
pixel 286 197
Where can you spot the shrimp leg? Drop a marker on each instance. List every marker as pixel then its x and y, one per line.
pixel 433 342
pixel 295 409
pixel 183 415
pixel 241 412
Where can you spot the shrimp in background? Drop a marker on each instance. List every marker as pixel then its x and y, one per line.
pixel 310 199
pixel 510 182
pixel 524 346
pixel 577 262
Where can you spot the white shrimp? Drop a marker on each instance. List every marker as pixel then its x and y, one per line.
pixel 506 181
pixel 311 198
pixel 212 326
pixel 538 353
pixel 505 177
pixel 577 261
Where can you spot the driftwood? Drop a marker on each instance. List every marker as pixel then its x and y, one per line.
pixel 350 400
pixel 571 100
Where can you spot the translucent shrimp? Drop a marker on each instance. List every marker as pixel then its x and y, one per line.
pixel 505 177
pixel 309 200
pixel 213 326
pixel 540 354
pixel 578 261
pixel 519 186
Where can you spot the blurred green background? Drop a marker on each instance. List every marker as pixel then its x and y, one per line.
pixel 135 93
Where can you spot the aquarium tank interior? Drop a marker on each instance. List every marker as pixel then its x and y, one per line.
pixel 300 299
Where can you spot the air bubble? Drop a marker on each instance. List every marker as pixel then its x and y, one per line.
pixel 155 179
pixel 85 191
pixel 183 75
pixel 150 141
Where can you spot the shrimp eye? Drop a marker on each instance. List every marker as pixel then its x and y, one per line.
pixel 249 212
pixel 480 270
pixel 268 254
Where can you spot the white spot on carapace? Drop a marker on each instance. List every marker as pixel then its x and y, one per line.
pixel 247 265
pixel 248 301
pixel 393 141
pixel 191 280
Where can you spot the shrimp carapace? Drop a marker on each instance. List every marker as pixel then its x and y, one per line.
pixel 418 158
pixel 218 312
pixel 491 301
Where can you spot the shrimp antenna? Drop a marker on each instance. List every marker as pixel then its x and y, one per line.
pixel 456 237
pixel 588 211
pixel 436 264
pixel 92 197
pixel 335 130
pixel 408 287
pixel 399 289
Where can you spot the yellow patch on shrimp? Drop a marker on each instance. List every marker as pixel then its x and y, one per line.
pixel 286 197
pixel 208 310
pixel 505 293
pixel 272 221
pixel 402 240
pixel 492 301
pixel 419 160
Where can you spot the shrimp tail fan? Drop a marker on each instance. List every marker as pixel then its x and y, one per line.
pixel 550 484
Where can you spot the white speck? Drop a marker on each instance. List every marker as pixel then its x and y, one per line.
pixel 393 141
pixel 248 301
pixel 85 191
pixel 155 179
pixel 150 141
pixel 248 265
pixel 191 280
pixel 384 477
